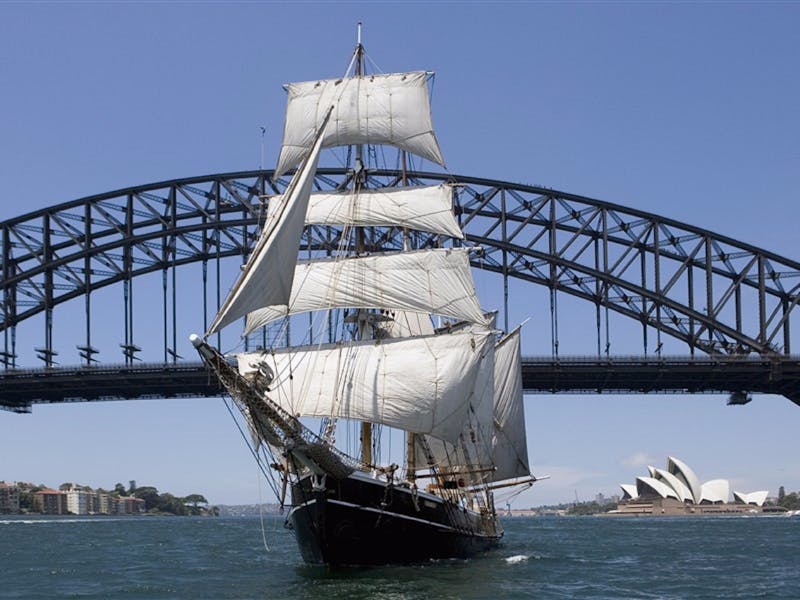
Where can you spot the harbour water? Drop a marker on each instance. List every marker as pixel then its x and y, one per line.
pixel 585 557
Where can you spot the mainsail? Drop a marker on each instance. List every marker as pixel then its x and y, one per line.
pixel 422 385
pixel 434 281
pixel 377 109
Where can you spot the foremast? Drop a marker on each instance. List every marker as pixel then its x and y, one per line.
pixel 359 180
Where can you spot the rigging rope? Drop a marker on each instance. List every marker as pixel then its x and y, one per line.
pixel 261 512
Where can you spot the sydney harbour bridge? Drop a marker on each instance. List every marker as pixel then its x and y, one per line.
pixel 93 289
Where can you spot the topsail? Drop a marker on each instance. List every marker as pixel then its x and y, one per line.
pixel 435 281
pixel 425 208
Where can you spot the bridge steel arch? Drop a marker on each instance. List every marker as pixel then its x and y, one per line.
pixel 716 294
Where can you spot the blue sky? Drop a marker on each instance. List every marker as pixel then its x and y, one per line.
pixel 688 110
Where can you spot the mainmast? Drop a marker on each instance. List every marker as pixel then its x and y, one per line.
pixel 359 56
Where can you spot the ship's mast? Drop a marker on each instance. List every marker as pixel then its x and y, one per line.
pixel 359 179
pixel 411 466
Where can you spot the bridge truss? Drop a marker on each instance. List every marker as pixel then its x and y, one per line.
pixel 715 295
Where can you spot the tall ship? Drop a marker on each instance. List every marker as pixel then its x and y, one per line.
pixel 390 426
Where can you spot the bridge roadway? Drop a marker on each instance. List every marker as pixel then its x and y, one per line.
pixel 777 374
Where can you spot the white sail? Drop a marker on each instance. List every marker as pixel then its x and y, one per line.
pixel 434 281
pixel 425 208
pixel 472 452
pixel 509 445
pixel 421 385
pixel 403 323
pixel 499 436
pixel 268 275
pixel 374 109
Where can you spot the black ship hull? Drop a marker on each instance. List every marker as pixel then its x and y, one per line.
pixel 363 521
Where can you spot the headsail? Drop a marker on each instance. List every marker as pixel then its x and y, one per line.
pixel 376 109
pixel 267 277
pixel 422 385
pixel 434 281
pixel 425 208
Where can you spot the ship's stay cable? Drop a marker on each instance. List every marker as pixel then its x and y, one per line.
pixel 249 444
pixel 261 511
pixel 375 66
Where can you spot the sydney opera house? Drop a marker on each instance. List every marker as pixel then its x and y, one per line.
pixel 676 490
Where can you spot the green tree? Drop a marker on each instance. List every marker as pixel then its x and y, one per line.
pixel 119 489
pixel 790 501
pixel 194 500
pixel 26 500
pixel 149 495
pixel 171 504
pixel 589 508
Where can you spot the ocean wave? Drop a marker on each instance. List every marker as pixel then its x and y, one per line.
pixel 55 521
pixel 517 558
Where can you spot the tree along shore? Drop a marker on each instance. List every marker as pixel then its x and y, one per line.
pixel 155 502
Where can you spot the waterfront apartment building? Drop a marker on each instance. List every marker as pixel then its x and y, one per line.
pixel 78 501
pixel 102 502
pixel 50 502
pixel 9 498
pixel 128 505
pixel 74 500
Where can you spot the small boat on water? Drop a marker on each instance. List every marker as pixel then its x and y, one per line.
pixel 402 345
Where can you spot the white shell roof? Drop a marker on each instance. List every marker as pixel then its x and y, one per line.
pixel 681 489
pixel 716 490
pixel 629 491
pixel 648 485
pixel 757 498
pixel 682 471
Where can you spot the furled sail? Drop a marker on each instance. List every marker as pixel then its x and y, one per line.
pixel 509 444
pixel 425 208
pixel 267 276
pixel 374 109
pixel 422 385
pixel 434 281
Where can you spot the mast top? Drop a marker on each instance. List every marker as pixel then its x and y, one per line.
pixel 358 41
